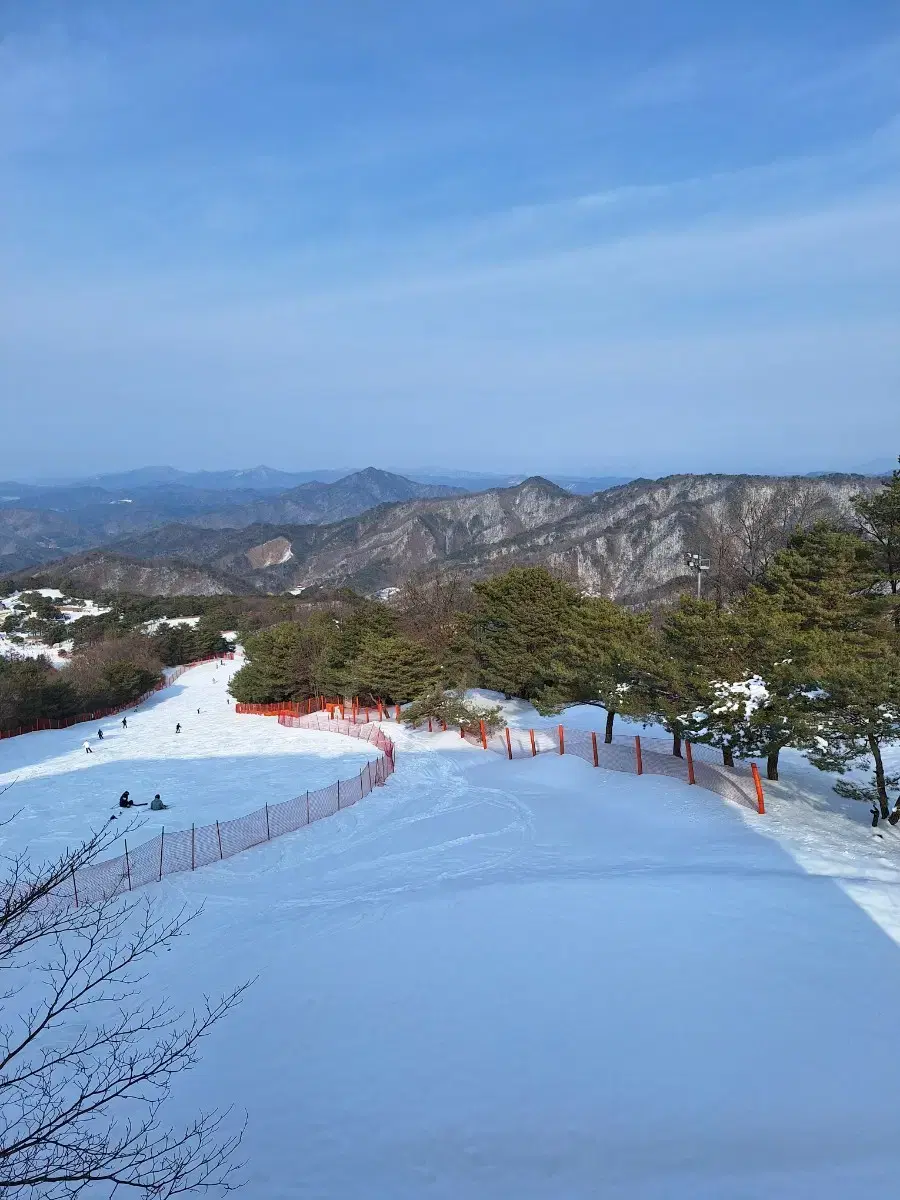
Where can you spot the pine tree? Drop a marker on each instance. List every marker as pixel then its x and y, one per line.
pixel 394 669
pixel 284 662
pixel 829 580
pixel 863 715
pixel 601 647
pixel 516 630
pixel 879 517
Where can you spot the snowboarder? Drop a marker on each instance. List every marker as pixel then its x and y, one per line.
pixel 100 734
pixel 124 722
pixel 156 804
pixel 87 748
pixel 125 801
pixel 178 727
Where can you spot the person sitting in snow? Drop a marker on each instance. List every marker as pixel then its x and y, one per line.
pixel 125 801
pixel 156 804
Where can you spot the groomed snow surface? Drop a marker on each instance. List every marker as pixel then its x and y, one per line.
pixel 511 980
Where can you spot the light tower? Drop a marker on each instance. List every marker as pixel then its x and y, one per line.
pixel 697 562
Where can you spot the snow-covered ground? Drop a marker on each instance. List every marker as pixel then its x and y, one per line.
pixel 530 979
pixel 27 646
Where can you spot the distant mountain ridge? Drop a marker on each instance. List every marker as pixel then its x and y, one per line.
pixel 629 543
pixel 41 524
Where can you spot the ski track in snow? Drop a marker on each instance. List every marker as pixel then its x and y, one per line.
pixel 491 980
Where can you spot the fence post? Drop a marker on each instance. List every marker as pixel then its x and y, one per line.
pixel 397 712
pixel 690 762
pixel 639 761
pixel 219 836
pixel 483 735
pixel 508 744
pixel 562 740
pixel 74 887
pixel 339 795
pixel 193 855
pixel 162 838
pixel 760 798
pixel 307 807
pixel 462 731
pixel 361 793
pixel 533 745
pixel 127 865
pixel 594 748
pixel 430 730
pixel 268 834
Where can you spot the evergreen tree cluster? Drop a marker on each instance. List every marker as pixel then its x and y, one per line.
pixel 806 656
pixel 106 675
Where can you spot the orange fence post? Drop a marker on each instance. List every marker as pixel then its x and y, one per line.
pixel 430 730
pixel 533 746
pixel 690 762
pixel 397 712
pixel 508 744
pixel 483 736
pixel 594 748
pixel 637 754
pixel 462 731
pixel 760 798
pixel 562 740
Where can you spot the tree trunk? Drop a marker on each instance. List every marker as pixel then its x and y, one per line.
pixel 880 785
pixel 772 765
pixel 676 744
pixel 727 756
pixel 610 718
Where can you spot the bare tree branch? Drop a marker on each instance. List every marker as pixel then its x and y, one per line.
pixel 86 1061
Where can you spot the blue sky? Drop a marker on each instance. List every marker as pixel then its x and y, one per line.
pixel 541 235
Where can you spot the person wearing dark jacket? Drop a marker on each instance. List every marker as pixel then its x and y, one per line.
pixel 100 734
pixel 124 722
pixel 178 727
pixel 125 801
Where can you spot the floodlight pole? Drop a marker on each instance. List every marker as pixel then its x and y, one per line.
pixel 698 563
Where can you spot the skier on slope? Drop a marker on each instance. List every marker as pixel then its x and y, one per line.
pixel 100 734
pixel 87 748
pixel 124 722
pixel 178 727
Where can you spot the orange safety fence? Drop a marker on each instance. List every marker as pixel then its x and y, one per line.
pixel 100 713
pixel 632 755
pixel 187 849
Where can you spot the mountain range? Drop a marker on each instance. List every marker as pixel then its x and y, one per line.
pixel 628 542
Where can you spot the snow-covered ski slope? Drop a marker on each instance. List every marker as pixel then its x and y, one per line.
pixel 512 980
